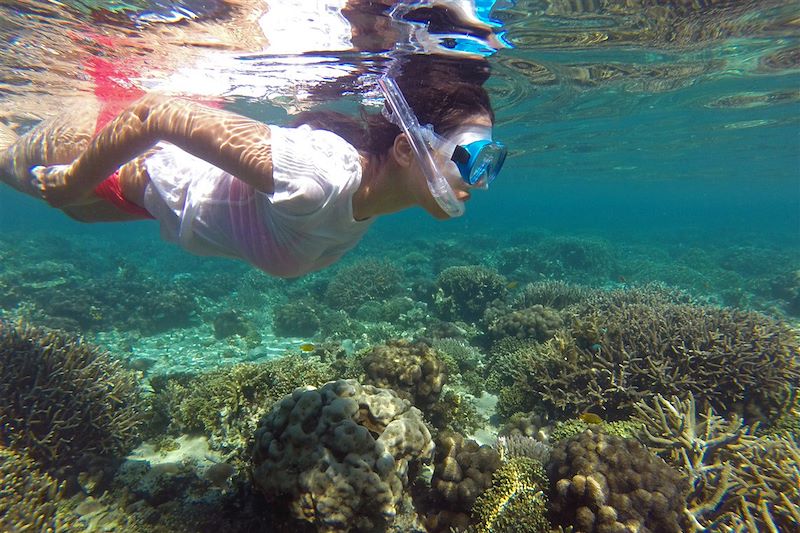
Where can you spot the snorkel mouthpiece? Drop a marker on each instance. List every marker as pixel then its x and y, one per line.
pixel 398 112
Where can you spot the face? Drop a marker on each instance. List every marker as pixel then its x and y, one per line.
pixel 449 169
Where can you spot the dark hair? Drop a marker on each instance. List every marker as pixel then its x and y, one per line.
pixel 438 100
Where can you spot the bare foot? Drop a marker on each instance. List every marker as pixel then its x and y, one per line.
pixel 57 186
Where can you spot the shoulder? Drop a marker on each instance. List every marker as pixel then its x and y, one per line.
pixel 312 167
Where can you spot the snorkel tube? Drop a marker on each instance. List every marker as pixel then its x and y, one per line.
pixel 399 113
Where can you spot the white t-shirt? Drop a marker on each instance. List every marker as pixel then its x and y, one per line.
pixel 304 225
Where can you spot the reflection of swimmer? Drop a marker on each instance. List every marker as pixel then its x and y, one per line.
pixel 287 200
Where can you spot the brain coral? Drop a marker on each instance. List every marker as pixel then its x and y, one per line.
pixel 340 456
pixel 63 399
pixel 465 292
pixel 413 370
pixel 604 483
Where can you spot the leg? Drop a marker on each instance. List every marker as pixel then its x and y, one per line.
pixel 53 142
pixel 133 179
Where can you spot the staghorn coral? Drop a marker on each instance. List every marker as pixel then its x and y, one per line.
pixel 340 456
pixel 28 499
pixel 516 500
pixel 463 470
pixel 626 345
pixel 226 404
pixel 63 400
pixel 411 369
pixel 465 292
pixel 601 482
pixel 361 282
pixel 739 482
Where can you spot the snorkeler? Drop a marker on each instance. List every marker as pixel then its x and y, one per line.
pixel 288 200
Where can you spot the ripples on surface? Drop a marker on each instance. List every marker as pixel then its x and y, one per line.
pixel 586 77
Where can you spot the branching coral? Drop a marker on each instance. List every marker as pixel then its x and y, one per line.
pixel 226 404
pixel 625 346
pixel 28 499
pixel 739 482
pixel 63 399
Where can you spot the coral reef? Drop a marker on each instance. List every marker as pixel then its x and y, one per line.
pixel 512 446
pixel 465 292
pixel 64 400
pixel 738 481
pixel 550 293
pixel 29 498
pixel 537 323
pixel 295 319
pixel 356 284
pixel 624 346
pixel 340 456
pixel 411 369
pixel 516 500
pixel 226 404
pixel 463 363
pixel 604 483
pixel 455 412
pixel 229 323
pixel 463 470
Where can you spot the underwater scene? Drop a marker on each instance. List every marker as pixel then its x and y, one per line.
pixel 607 340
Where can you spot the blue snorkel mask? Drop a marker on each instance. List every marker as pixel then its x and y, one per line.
pixel 471 151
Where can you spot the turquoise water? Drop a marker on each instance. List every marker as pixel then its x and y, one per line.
pixel 653 148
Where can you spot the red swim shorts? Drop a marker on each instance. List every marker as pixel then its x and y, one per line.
pixel 111 191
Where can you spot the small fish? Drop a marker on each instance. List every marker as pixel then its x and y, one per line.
pixel 622 279
pixel 511 285
pixel 307 347
pixel 590 418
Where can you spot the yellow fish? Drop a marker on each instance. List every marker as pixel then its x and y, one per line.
pixel 307 347
pixel 590 418
pixel 511 285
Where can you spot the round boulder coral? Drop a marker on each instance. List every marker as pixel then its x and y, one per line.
pixel 465 292
pixel 411 369
pixel 63 400
pixel 340 456
pixel 604 483
pixel 463 470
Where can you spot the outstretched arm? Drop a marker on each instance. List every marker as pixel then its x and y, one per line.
pixel 236 144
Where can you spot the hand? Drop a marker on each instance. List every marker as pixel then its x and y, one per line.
pixel 56 185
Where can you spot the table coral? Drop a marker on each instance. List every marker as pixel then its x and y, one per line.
pixel 340 456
